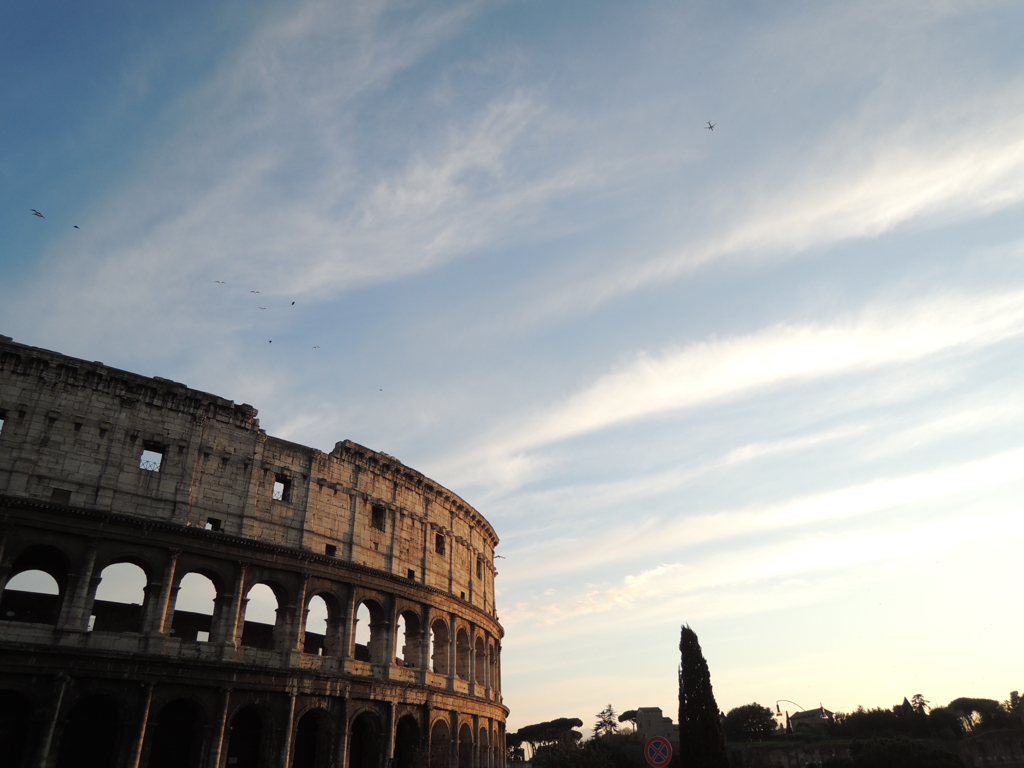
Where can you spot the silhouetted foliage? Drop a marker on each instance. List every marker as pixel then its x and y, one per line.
pixel 606 723
pixel 701 739
pixel 547 733
pixel 568 753
pixel 751 722
pixel 897 753
pixel 978 715
pixel 629 716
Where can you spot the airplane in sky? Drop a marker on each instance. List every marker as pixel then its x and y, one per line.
pixel 711 126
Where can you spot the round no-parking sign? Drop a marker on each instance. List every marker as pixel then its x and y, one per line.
pixel 658 751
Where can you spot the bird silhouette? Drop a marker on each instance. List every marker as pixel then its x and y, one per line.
pixel 75 226
pixel 262 307
pixel 219 281
pixel 253 291
pixel 316 347
pixel 293 303
pixel 37 213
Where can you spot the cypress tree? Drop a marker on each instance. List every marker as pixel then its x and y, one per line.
pixel 701 738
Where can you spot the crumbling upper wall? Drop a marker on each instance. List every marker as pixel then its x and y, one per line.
pixel 74 432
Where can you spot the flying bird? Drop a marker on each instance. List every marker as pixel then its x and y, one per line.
pixel 75 226
pixel 219 281
pixel 293 303
pixel 262 307
pixel 316 347
pixel 711 126
pixel 37 213
pixel 253 291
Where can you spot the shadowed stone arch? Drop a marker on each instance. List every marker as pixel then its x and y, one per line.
pixel 411 633
pixel 408 743
pixel 15 722
pixel 440 744
pixel 462 653
pixel 364 741
pixel 465 746
pixel 90 734
pixel 371 629
pixel 175 734
pixel 248 738
pixel 30 598
pixel 311 746
pixel 440 640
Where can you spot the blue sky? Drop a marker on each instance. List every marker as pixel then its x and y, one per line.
pixel 762 380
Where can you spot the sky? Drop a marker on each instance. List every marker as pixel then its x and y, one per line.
pixel 762 380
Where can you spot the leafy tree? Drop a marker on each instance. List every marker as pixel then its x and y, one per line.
pixel 547 733
pixel 919 703
pixel 629 716
pixel 701 739
pixel 980 714
pixel 751 722
pixel 573 754
pixel 606 722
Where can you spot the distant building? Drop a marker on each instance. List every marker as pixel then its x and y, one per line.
pixel 651 722
pixel 809 720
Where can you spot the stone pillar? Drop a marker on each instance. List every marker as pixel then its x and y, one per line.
pixel 140 736
pixel 217 747
pixel 389 734
pixel 341 760
pixel 349 641
pixel 453 659
pixel 453 743
pixel 289 727
pixel 74 604
pixel 160 610
pixel 44 759
pixel 230 612
pixel 471 677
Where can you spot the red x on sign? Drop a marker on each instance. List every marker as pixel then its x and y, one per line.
pixel 658 751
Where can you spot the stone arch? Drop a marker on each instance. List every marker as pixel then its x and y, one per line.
pixel 409 638
pixel 440 640
pixel 118 603
pixel 408 744
pixel 90 734
pixel 312 740
pixel 371 629
pixel 483 748
pixel 15 723
pixel 462 653
pixel 364 741
pixel 37 586
pixel 261 616
pixel 480 662
pixel 465 746
pixel 249 738
pixel 175 735
pixel 440 744
pixel 194 604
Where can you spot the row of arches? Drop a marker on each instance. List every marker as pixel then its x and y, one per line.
pixel 199 605
pixel 96 732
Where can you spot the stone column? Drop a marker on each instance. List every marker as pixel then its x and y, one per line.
pixel 453 643
pixel 74 604
pixel 217 748
pixel 292 622
pixel 140 737
pixel 453 744
pixel 341 756
pixel 389 734
pixel 230 612
pixel 43 760
pixel 471 677
pixel 289 726
pixel 160 610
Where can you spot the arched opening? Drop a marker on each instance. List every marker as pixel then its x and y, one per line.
pixel 317 615
pixel 245 742
pixel 440 744
pixel 364 741
pixel 407 743
pixel 15 721
pixel 260 617
pixel 312 740
pixel 480 663
pixel 482 745
pixel 90 735
pixel 193 608
pixel 37 586
pixel 371 633
pixel 408 639
pixel 439 641
pixel 462 654
pixel 465 746
pixel 119 599
pixel 175 736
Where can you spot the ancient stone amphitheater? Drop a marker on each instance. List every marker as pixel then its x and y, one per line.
pixel 178 588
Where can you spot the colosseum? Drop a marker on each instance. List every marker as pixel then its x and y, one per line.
pixel 180 589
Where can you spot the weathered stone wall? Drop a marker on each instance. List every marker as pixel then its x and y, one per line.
pixel 152 684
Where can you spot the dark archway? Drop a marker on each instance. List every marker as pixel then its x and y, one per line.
pixel 465 747
pixel 440 744
pixel 245 743
pixel 90 734
pixel 36 587
pixel 15 720
pixel 407 743
pixel 176 736
pixel 364 742
pixel 312 740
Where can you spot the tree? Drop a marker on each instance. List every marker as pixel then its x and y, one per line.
pixel 606 722
pixel 701 739
pixel 919 703
pixel 751 722
pixel 629 716
pixel 547 733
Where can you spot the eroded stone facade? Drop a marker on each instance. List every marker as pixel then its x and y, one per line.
pixel 101 467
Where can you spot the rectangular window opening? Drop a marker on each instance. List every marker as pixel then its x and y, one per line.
pixel 152 457
pixel 412 575
pixel 78 426
pixel 331 550
pixel 202 636
pixel 439 543
pixel 282 488
pixel 479 569
pixel 60 496
pixel 212 524
pixel 378 517
pixel 3 418
pixel 92 624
